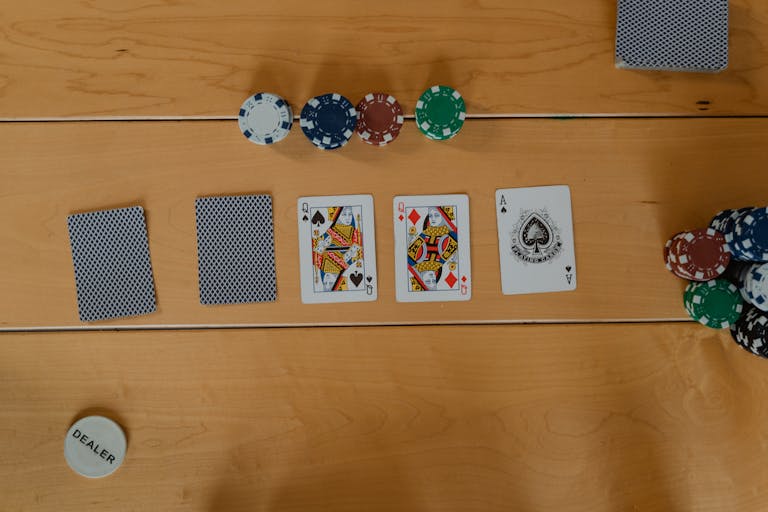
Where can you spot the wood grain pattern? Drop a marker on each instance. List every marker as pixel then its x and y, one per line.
pixel 634 183
pixel 183 58
pixel 629 417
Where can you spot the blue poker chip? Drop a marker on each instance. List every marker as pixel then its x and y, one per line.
pixel 328 120
pixel 737 250
pixel 750 234
pixel 724 220
pixel 265 118
pixel 719 219
pixel 734 242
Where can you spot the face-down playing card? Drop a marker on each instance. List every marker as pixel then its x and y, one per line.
pixel 432 259
pixel 113 273
pixel 235 249
pixel 337 249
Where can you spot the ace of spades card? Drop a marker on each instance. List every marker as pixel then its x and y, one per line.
pixel 536 247
pixel 432 260
pixel 337 249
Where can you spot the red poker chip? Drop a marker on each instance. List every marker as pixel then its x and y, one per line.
pixel 666 252
pixel 380 118
pixel 701 254
pixel 671 259
pixel 667 246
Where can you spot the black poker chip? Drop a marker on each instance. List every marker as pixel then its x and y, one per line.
pixel 751 331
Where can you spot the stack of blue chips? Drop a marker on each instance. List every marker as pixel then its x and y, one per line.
pixel 750 235
pixel 724 220
pixel 746 232
pixel 328 121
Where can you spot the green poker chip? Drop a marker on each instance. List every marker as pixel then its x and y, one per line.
pixel 440 112
pixel 716 303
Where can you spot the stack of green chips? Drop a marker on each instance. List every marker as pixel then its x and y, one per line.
pixel 440 112
pixel 716 303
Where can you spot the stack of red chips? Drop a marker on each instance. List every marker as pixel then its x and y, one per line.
pixel 698 255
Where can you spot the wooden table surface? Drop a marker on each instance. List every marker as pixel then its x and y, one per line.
pixel 492 418
pixel 633 182
pixel 178 58
pixel 618 403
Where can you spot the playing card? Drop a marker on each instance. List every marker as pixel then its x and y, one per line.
pixel 337 249
pixel 235 249
pixel 536 248
pixel 113 273
pixel 432 260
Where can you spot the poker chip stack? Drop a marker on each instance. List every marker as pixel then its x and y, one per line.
pixel 698 255
pixel 265 118
pixel 746 232
pixel 328 120
pixel 440 112
pixel 715 303
pixel 751 331
pixel 726 264
pixel 380 118
pixel 754 285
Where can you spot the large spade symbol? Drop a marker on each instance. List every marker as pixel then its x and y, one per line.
pixel 318 218
pixel 356 278
pixel 535 233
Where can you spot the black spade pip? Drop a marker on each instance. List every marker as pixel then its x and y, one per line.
pixel 535 233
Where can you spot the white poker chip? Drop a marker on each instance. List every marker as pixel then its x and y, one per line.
pixel 95 446
pixel 265 118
